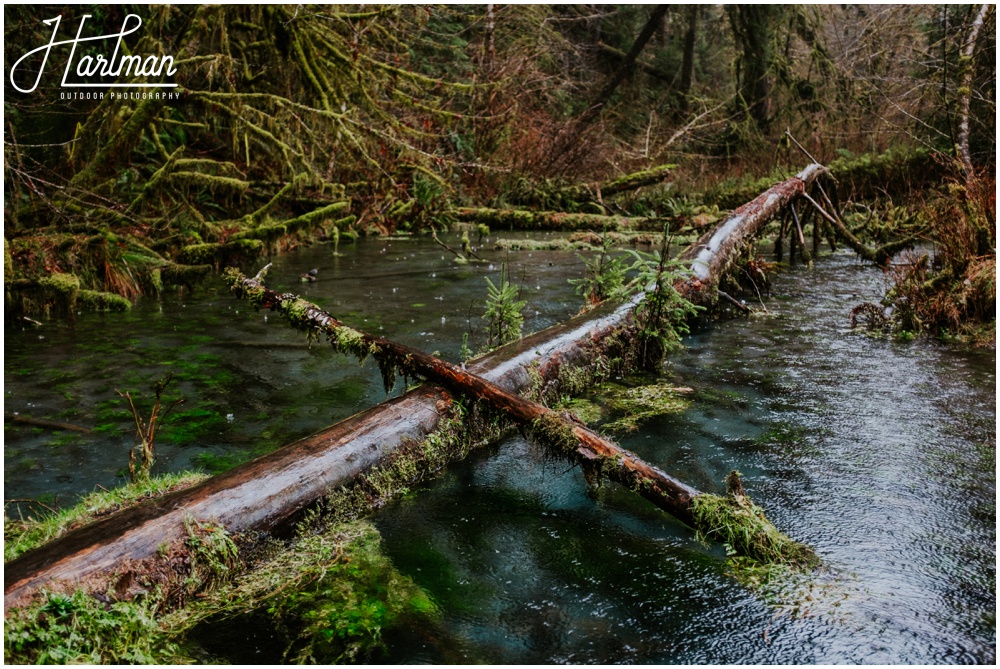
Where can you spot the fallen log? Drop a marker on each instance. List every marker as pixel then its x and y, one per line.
pixel 559 433
pixel 577 198
pixel 43 422
pixel 711 256
pixel 620 56
pixel 524 219
pixel 269 492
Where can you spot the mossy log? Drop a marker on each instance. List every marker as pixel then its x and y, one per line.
pixel 560 434
pixel 558 195
pixel 524 219
pixel 711 256
pixel 62 294
pixel 271 491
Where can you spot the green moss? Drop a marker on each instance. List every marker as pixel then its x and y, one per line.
pixel 554 432
pixel 457 434
pixel 65 284
pixel 741 526
pixel 560 244
pixel 349 340
pixel 176 274
pixel 231 252
pixel 21 535
pixel 97 301
pixel 330 596
pixel 642 403
pixel 80 629
pixel 587 411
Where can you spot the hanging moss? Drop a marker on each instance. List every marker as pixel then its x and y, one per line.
pixel 461 429
pixel 555 432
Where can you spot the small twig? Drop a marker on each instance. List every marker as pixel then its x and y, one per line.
pixel 52 424
pixel 801 148
pixel 818 208
pixel 30 501
pixel 262 273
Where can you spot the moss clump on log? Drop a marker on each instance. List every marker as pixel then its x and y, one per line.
pixel 187 275
pixel 219 254
pixel 558 195
pixel 62 294
pixel 554 431
pixel 271 231
pixel 742 527
pixel 349 340
pixel 95 300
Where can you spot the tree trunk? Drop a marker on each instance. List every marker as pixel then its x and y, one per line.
pixel 627 66
pixel 523 219
pixel 752 28
pixel 270 491
pixel 620 56
pixel 687 65
pixel 965 90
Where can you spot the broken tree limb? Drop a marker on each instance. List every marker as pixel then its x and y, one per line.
pixel 272 490
pixel 50 424
pixel 620 56
pixel 880 256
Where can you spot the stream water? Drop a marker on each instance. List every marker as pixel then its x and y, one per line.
pixel 878 453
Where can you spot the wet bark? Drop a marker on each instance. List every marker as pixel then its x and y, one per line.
pixel 269 492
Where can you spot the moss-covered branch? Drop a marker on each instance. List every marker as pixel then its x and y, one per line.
pixel 523 219
pixel 561 435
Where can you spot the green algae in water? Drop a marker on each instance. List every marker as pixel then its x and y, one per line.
pixel 639 404
pixel 587 411
pixel 329 596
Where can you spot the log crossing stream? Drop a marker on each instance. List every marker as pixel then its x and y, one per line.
pixel 878 453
